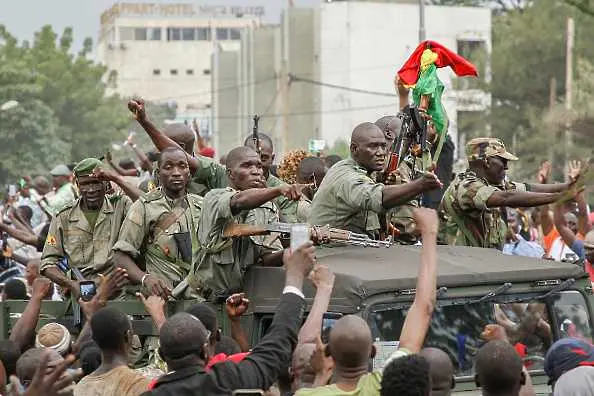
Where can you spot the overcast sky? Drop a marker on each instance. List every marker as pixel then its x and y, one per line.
pixel 24 17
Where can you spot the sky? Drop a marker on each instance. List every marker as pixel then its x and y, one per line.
pixel 23 17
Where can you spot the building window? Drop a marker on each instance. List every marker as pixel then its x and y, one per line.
pixel 188 34
pixel 154 34
pixel 235 34
pixel 173 72
pixel 126 33
pixel 203 34
pixel 140 34
pixel 222 34
pixel 173 34
pixel 156 72
pixel 190 72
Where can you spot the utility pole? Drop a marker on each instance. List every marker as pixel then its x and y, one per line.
pixel 569 87
pixel 552 102
pixel 421 21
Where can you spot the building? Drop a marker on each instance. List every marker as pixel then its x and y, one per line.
pixel 162 52
pixel 331 67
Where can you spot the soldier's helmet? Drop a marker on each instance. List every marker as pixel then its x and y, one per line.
pixel 481 148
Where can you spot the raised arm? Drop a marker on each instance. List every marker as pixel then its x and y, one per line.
pixel 130 190
pixel 121 171
pixel 23 332
pixel 145 163
pixel 394 195
pixel 21 235
pixel 256 197
pixel 323 279
pixel 160 140
pixel 260 369
pixel 236 305
pixel 520 199
pixel 200 143
pixel 419 315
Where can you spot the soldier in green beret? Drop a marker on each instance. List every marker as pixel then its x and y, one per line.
pixel 158 241
pixel 84 231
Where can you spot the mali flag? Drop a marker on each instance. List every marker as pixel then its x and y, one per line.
pixel 409 73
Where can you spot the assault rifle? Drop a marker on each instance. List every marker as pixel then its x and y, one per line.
pixel 323 234
pixel 255 135
pixel 412 139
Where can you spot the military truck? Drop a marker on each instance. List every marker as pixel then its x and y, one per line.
pixel 538 301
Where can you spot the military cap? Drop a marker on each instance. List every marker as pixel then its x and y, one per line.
pixel 60 170
pixel 487 147
pixel 86 166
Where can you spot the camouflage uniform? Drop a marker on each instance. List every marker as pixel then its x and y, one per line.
pixel 468 220
pixel 401 216
pixel 348 199
pixel 222 262
pixel 303 209
pixel 153 249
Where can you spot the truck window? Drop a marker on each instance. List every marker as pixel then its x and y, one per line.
pixel 572 316
pixel 455 329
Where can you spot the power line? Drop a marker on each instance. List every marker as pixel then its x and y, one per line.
pixel 211 92
pixel 342 87
pixel 300 113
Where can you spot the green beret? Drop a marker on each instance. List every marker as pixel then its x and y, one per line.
pixel 86 166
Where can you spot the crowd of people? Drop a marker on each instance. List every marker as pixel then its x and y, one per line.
pixel 160 231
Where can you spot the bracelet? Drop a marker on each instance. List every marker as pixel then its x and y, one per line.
pixel 142 280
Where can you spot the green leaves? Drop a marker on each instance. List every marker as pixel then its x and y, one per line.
pixel 64 114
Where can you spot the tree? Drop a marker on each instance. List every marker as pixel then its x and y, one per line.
pixel 64 114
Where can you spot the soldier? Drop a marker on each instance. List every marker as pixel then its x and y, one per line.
pixel 311 172
pixel 350 199
pixel 287 208
pixel 472 204
pixel 399 220
pixel 157 241
pixel 223 261
pixel 64 190
pixel 207 174
pixel 84 231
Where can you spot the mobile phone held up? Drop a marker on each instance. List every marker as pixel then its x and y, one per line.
pixel 87 290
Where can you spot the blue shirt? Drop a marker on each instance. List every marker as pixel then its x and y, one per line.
pixel 523 248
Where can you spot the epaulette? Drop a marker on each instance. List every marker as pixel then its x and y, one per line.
pixel 67 206
pixel 152 195
pixel 196 200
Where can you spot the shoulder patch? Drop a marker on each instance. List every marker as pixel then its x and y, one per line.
pixel 51 240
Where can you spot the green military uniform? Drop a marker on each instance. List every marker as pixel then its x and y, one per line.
pixel 209 175
pixel 287 208
pixel 303 209
pixel 85 237
pixel 223 261
pixel 348 199
pixel 401 216
pixel 468 219
pixel 153 246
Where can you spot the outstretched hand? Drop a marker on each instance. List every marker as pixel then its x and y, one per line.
pixel 544 172
pixel 52 384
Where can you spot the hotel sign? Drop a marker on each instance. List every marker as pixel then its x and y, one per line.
pixel 176 10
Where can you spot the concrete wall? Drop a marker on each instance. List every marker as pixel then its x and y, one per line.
pixel 363 44
pixel 226 101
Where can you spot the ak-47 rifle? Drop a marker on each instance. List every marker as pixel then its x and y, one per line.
pixel 324 234
pixel 255 135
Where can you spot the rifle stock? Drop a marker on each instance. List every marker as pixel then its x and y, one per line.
pixel 238 230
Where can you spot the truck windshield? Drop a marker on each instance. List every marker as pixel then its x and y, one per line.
pixel 456 329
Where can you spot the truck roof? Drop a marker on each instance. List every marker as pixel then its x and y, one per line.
pixel 361 272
